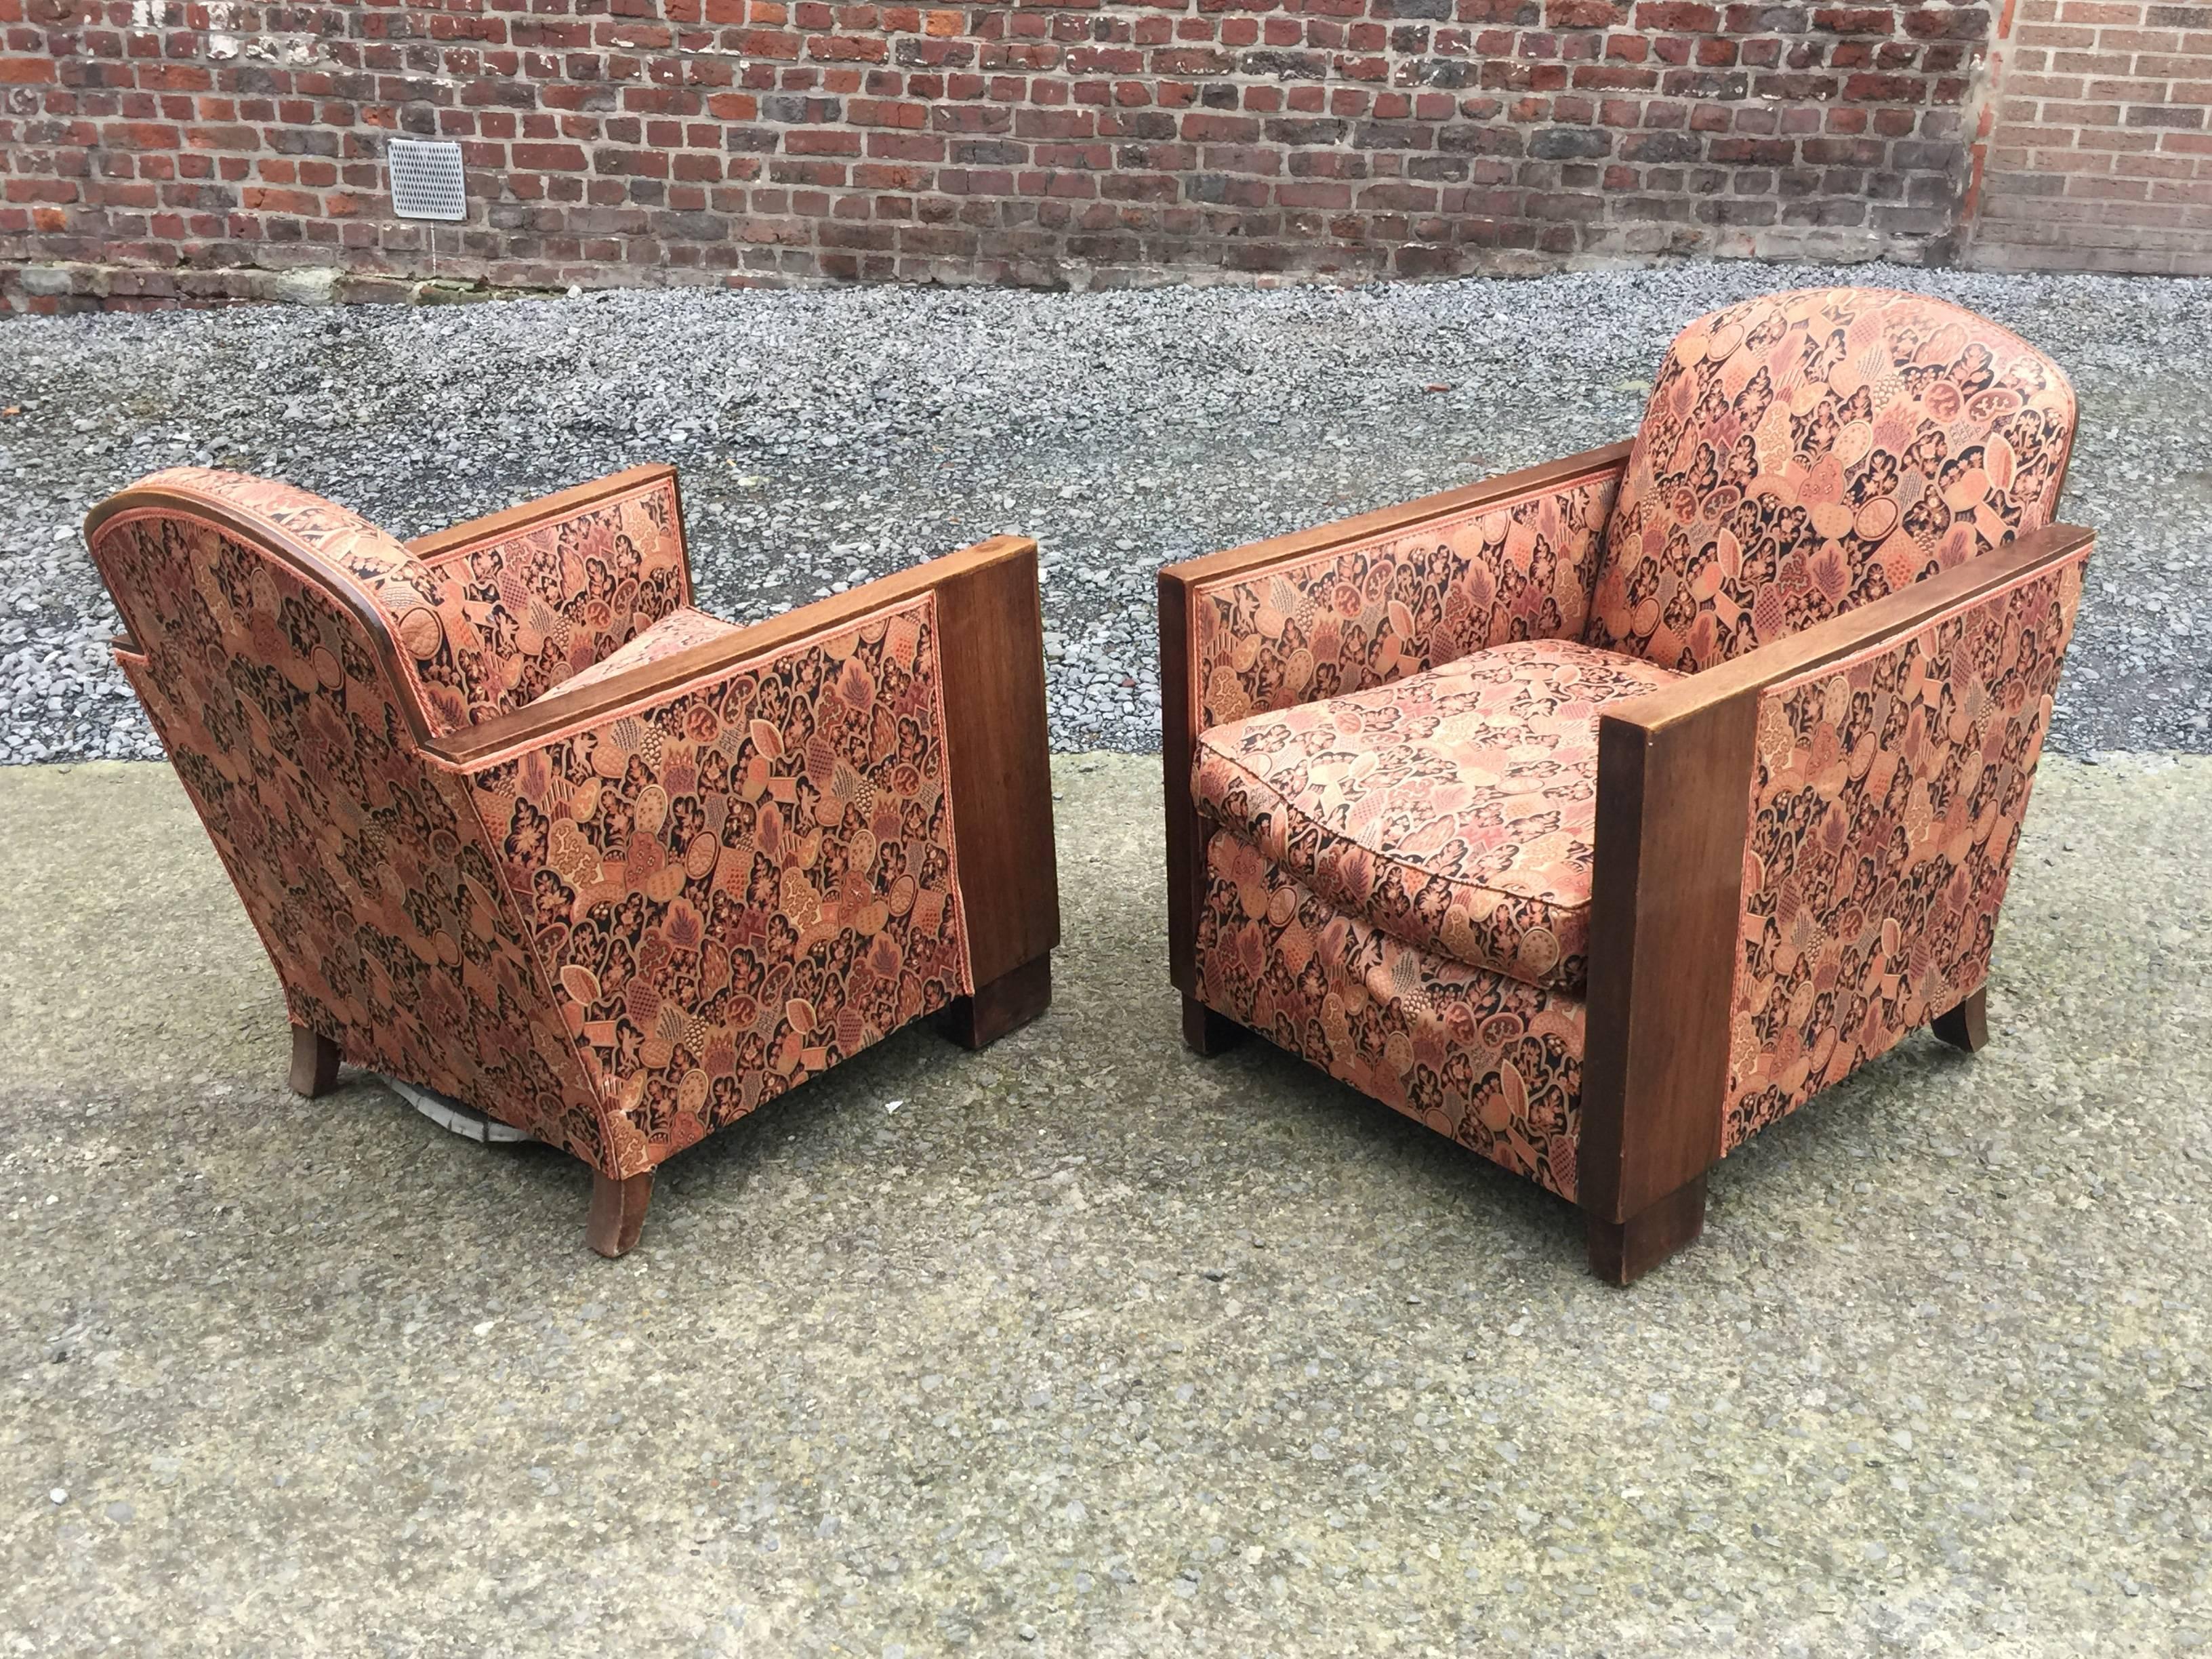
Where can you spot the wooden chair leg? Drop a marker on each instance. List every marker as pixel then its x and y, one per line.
pixel 1967 1025
pixel 1206 1033
pixel 618 1211
pixel 1622 1252
pixel 1005 1004
pixel 314 1062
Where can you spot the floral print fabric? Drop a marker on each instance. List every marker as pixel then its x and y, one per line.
pixel 444 660
pixel 746 882
pixel 1454 809
pixel 1805 453
pixel 363 871
pixel 1885 809
pixel 549 601
pixel 679 630
pixel 1357 616
pixel 1494 1063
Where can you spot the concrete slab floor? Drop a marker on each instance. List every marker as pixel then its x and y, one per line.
pixel 1091 1347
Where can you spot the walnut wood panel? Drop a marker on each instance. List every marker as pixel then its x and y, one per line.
pixel 1001 1006
pixel 1622 1252
pixel 1178 588
pixel 1185 835
pixel 1675 774
pixel 1666 884
pixel 991 646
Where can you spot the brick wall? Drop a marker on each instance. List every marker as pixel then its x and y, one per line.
pixel 160 149
pixel 2095 147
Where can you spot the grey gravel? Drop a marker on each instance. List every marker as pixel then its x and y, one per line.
pixel 829 437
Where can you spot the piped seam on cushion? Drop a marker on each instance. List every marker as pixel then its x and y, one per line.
pixel 1391 859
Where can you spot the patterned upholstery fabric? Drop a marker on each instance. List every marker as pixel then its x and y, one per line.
pixel 552 599
pixel 1885 810
pixel 1805 453
pixel 1454 809
pixel 679 630
pixel 745 882
pixel 446 668
pixel 364 871
pixel 1492 1063
pixel 1359 615
pixel 617 940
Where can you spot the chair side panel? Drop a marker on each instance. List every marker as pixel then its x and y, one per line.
pixel 1886 801
pixel 1362 613
pixel 739 883
pixel 364 872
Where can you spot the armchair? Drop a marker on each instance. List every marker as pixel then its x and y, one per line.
pixel 517 823
pixel 1601 814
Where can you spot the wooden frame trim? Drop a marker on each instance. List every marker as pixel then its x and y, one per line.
pixel 1180 586
pixel 991 650
pixel 1674 779
pixel 441 546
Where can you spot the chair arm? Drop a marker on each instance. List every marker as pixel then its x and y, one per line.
pixel 750 859
pixel 1329 610
pixel 1800 853
pixel 556 585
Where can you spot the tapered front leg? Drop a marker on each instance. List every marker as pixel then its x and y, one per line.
pixel 1622 1252
pixel 1005 1004
pixel 314 1062
pixel 1967 1025
pixel 618 1211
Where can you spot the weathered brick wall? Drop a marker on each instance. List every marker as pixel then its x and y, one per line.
pixel 156 149
pixel 2096 149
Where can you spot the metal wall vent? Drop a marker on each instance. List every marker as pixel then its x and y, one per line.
pixel 426 179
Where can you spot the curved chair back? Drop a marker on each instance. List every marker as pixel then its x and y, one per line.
pixel 294 658
pixel 1805 453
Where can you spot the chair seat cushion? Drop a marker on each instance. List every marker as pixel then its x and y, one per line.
pixel 1453 809
pixel 679 630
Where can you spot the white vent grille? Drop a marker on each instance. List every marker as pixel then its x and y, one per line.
pixel 426 179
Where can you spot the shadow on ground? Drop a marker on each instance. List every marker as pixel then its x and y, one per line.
pixel 1090 1347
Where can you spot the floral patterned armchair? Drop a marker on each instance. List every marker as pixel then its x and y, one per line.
pixel 518 823
pixel 1599 815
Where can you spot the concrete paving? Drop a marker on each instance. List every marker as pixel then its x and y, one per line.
pixel 1091 1347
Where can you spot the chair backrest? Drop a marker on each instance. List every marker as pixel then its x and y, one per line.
pixel 1805 453
pixel 292 661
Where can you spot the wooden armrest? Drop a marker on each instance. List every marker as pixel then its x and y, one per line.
pixel 1869 629
pixel 1676 768
pixel 443 545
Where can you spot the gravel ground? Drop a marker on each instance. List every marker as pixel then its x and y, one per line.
pixel 1092 1349
pixel 829 437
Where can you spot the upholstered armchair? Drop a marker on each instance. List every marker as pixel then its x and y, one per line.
pixel 1602 814
pixel 518 823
